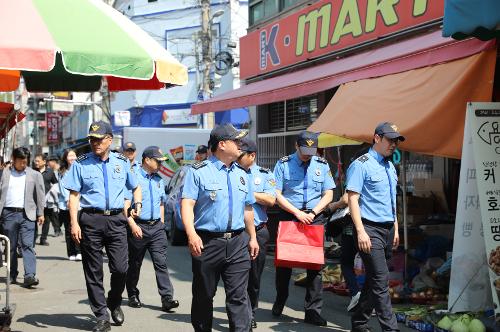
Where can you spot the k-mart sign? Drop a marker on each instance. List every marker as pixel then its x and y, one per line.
pixel 329 26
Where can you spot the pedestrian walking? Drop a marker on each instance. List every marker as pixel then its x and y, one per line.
pixel 146 233
pixel 72 249
pixel 371 187
pixel 216 209
pixel 50 214
pixel 98 181
pixel 264 190
pixel 304 187
pixel 22 200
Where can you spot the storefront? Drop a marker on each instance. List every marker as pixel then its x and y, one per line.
pixel 340 68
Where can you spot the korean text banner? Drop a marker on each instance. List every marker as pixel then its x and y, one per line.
pixel 329 26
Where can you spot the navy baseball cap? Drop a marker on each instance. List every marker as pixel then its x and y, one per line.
pixel 202 149
pixel 389 130
pixel 100 129
pixel 248 145
pixel 225 132
pixel 129 146
pixel 153 152
pixel 307 143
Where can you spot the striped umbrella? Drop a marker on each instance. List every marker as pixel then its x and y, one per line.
pixel 69 45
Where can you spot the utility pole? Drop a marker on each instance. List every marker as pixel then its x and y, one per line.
pixel 206 51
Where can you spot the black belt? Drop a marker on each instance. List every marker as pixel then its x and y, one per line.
pixel 14 209
pixel 224 235
pixel 259 227
pixel 386 225
pixel 147 221
pixel 110 212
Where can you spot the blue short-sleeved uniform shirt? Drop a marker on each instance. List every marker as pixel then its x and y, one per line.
pixel 101 184
pixel 302 184
pixel 135 167
pixel 153 194
pixel 375 179
pixel 220 193
pixel 263 182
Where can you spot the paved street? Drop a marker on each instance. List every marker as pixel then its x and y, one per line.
pixel 60 302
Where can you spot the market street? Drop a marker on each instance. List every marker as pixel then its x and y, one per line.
pixel 60 301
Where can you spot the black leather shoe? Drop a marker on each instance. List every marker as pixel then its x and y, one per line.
pixel 168 305
pixel 13 281
pixel 44 243
pixel 102 326
pixel 30 282
pixel 134 301
pixel 277 309
pixel 116 313
pixel 312 317
pixel 360 329
pixel 253 324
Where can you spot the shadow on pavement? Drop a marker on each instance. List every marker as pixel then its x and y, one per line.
pixel 52 258
pixel 67 321
pixel 217 323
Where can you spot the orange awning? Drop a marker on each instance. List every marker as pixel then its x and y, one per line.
pixel 9 79
pixel 427 104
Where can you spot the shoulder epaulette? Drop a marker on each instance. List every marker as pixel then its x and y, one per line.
pixel 241 167
pixel 322 160
pixel 121 156
pixel 199 165
pixel 363 158
pixel 264 170
pixel 82 157
pixel 285 159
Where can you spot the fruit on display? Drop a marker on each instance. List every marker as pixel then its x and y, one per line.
pixel 445 323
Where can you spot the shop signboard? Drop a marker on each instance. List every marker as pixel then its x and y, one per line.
pixel 485 130
pixel 469 281
pixel 53 120
pixel 178 117
pixel 329 26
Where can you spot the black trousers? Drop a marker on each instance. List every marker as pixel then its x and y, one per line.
pixel 110 232
pixel 347 257
pixel 72 249
pixel 229 259
pixel 256 269
pixel 154 240
pixel 49 215
pixel 375 292
pixel 314 283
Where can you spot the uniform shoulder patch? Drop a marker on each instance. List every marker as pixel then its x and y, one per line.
pixel 82 157
pixel 199 165
pixel 264 170
pixel 322 160
pixel 285 159
pixel 121 156
pixel 363 158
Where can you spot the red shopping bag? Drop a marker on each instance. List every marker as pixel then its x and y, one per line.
pixel 300 245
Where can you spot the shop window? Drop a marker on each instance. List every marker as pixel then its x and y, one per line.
pixel 300 113
pixel 262 9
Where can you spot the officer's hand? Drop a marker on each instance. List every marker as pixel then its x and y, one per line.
pixel 364 242
pixel 305 218
pixel 395 242
pixel 253 248
pixel 195 245
pixel 136 212
pixel 40 220
pixel 76 233
pixel 136 231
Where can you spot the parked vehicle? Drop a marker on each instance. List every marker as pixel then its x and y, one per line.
pixel 173 221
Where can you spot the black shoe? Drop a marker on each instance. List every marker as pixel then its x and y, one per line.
pixel 253 324
pixel 102 326
pixel 44 243
pixel 116 313
pixel 57 234
pixel 277 309
pixel 13 281
pixel 30 281
pixel 360 329
pixel 168 305
pixel 134 301
pixel 19 253
pixel 312 317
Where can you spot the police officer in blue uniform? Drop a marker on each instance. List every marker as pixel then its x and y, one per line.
pixel 146 232
pixel 371 187
pixel 264 187
pixel 97 182
pixel 304 186
pixel 216 210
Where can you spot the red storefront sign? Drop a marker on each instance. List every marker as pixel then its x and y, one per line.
pixel 329 26
pixel 52 128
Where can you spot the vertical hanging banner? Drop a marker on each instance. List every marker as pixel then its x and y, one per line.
pixel 484 121
pixel 52 128
pixel 469 281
